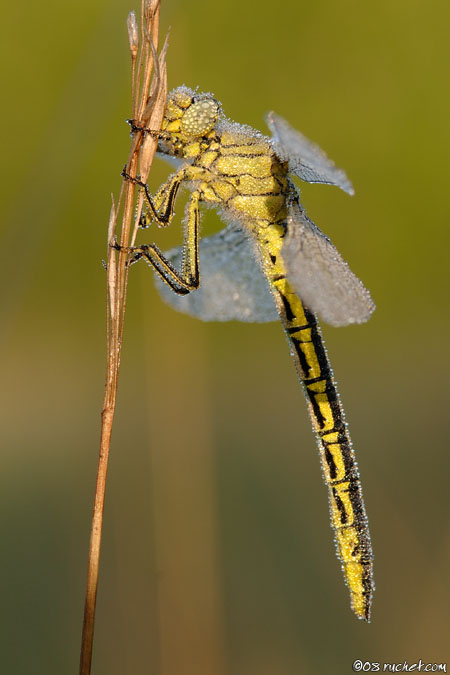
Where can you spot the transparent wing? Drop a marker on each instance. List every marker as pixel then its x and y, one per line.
pixel 320 276
pixel 306 159
pixel 232 285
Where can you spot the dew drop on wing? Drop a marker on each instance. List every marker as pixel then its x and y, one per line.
pixel 232 285
pixel 320 276
pixel 305 158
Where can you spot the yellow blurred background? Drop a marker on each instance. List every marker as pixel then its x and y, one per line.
pixel 218 556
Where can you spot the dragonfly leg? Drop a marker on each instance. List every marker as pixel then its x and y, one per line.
pixel 161 206
pixel 188 278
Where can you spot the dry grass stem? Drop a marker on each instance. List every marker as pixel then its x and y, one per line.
pixel 148 75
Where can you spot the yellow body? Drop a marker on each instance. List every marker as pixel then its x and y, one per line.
pixel 236 169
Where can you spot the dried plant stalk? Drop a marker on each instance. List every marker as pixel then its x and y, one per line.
pixel 148 75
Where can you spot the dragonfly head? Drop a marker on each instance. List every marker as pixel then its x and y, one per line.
pixel 189 117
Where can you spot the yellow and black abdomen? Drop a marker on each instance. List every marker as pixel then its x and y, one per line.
pixel 242 175
pixel 348 516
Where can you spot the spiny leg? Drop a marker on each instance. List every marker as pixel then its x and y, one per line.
pixel 188 279
pixel 161 206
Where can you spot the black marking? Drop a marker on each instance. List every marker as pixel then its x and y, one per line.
pixel 145 252
pixel 304 365
pixel 282 236
pixel 332 468
pixel 145 221
pixel 246 141
pixel 329 388
pixel 314 380
pixel 351 476
pixel 350 470
pixel 296 329
pixel 290 316
pixel 218 197
pixel 320 419
pixel 350 473
pixel 340 506
pixel 356 500
pixel 330 391
pixel 320 352
pixel 167 215
pixel 280 183
pixel 246 175
pixel 339 428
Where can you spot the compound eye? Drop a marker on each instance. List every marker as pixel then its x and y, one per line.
pixel 200 117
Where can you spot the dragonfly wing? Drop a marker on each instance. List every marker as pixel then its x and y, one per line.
pixel 320 276
pixel 306 160
pixel 232 284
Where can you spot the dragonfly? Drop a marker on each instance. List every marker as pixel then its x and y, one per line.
pixel 270 262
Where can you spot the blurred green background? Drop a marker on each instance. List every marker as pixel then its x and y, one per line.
pixel 218 556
